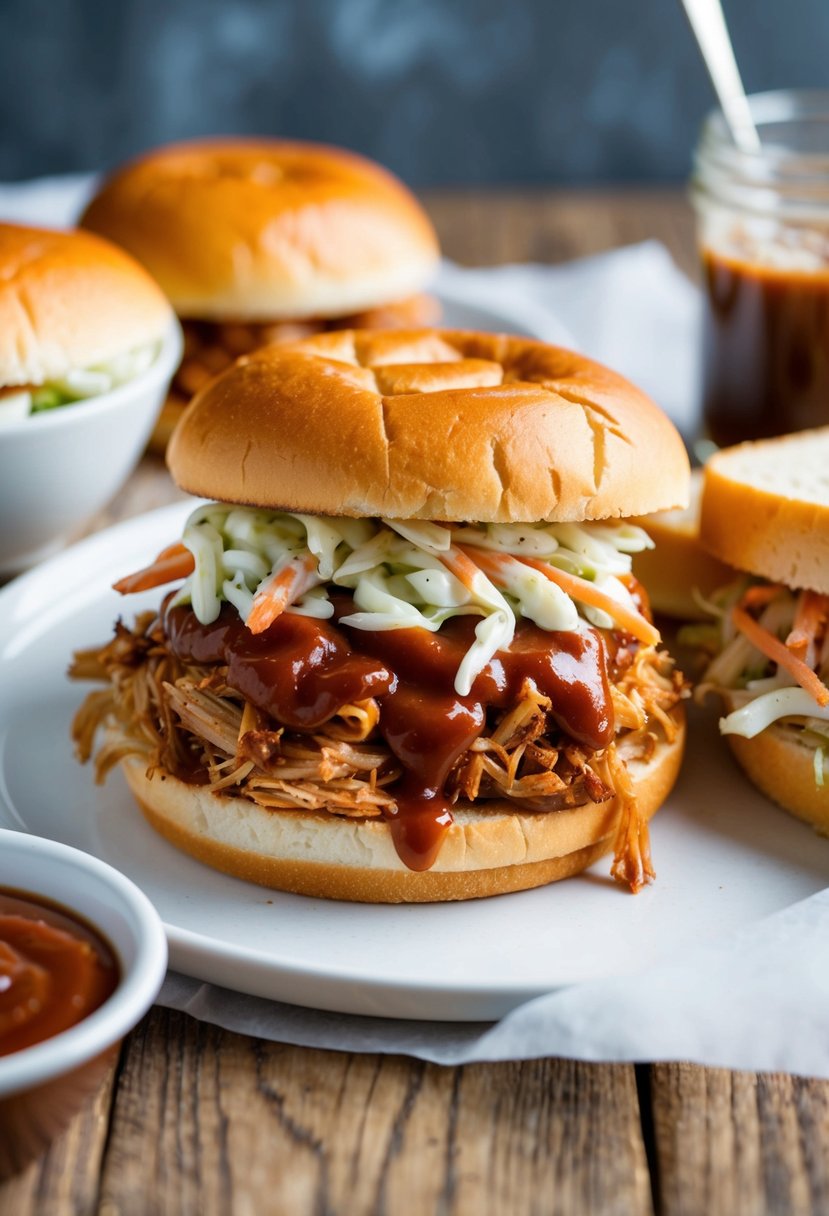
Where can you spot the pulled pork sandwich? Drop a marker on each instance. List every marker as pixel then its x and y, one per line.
pixel 261 240
pixel 408 660
pixel 765 510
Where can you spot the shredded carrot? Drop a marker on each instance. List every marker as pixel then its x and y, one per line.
pixel 458 561
pixel 577 588
pixel 172 563
pixel 759 595
pixel 775 650
pixel 810 619
pixel 281 590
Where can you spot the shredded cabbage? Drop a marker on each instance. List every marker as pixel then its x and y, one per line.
pixel 14 407
pixel 768 707
pixel 395 572
pixel 83 382
pixel 762 693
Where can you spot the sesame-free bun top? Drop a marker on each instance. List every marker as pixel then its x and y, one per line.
pixel 70 300
pixel 263 229
pixel 429 424
pixel 765 508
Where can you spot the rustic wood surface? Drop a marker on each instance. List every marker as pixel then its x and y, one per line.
pixel 198 1120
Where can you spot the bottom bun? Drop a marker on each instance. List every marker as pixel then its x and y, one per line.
pixel 488 850
pixel 783 768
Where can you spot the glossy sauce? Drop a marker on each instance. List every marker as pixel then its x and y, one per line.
pixel 302 671
pixel 765 349
pixel 54 971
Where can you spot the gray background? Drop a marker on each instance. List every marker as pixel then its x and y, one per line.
pixel 442 91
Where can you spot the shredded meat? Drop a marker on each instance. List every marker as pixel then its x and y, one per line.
pixel 187 720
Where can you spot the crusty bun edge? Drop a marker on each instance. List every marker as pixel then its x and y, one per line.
pixel 429 424
pixel 486 851
pixel 783 768
pixel 778 536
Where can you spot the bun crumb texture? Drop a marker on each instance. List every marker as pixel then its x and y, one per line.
pixel 765 508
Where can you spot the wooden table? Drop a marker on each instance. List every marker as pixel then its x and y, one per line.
pixel 197 1120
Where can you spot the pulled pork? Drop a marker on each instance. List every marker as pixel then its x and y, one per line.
pixel 185 719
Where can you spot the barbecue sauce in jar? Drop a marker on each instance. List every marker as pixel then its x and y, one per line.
pixel 765 349
pixel 54 970
pixel 763 232
pixel 301 671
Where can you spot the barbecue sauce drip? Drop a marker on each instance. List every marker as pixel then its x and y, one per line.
pixel 301 671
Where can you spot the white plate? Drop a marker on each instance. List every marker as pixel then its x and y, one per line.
pixel 724 856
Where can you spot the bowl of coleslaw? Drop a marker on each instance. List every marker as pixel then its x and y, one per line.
pixel 67 446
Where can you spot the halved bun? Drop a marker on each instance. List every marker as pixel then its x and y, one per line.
pixel 429 424
pixel 765 508
pixel 487 851
pixel 783 768
pixel 70 300
pixel 678 565
pixel 260 229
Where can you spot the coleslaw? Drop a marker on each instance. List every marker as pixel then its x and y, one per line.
pixel 406 573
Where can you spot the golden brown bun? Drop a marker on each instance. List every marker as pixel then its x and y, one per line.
pixel 70 300
pixel 678 565
pixel 783 768
pixel 263 229
pixel 485 852
pixel 415 311
pixel 765 508
pixel 429 424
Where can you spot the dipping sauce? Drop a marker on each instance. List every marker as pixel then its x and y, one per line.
pixel 54 970
pixel 765 349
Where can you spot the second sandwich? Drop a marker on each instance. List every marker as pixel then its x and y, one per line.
pixel 263 240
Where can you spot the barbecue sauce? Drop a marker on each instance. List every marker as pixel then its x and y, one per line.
pixel 54 971
pixel 301 671
pixel 765 349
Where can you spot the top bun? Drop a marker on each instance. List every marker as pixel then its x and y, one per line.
pixel 429 424
pixel 765 508
pixel 260 229
pixel 70 300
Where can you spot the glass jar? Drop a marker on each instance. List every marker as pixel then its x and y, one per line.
pixel 763 230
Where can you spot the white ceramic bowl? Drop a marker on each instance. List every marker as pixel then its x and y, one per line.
pixel 42 1086
pixel 59 467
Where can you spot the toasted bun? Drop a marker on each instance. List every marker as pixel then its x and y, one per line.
pixel 678 566
pixel 260 229
pixel 485 852
pixel 782 766
pixel 765 508
pixel 70 300
pixel 429 424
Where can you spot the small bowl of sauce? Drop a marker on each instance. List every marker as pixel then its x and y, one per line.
pixel 79 967
pixel 763 229
pixel 54 970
